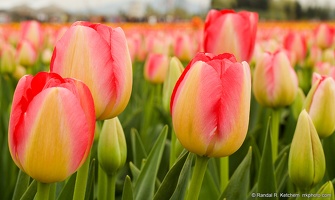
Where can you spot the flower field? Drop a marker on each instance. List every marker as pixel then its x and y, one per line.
pixel 230 108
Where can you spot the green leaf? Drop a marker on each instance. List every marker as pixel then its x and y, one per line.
pixel 185 173
pixel 90 181
pixel 329 149
pixel 138 149
pixel 145 184
pixel 170 181
pixel 67 192
pixel 127 193
pixel 281 169
pixel 266 176
pixel 238 185
pixel 21 186
pixel 134 171
pixel 30 192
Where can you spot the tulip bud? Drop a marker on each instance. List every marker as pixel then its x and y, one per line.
pixel 323 36
pixel 298 103
pixel 112 147
pixel 156 67
pixel 306 165
pixel 51 126
pixel 232 32
pixel 210 105
pixel 26 54
pixel 32 31
pixel 174 72
pixel 19 72
pixel 320 103
pixel 275 82
pixel 7 61
pixel 98 55
pixel 326 190
pixel 296 44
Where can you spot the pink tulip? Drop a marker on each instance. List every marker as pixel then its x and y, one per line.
pixel 228 31
pixel 98 55
pixel 323 36
pixel 156 67
pixel 296 44
pixel 26 53
pixel 210 105
pixel 33 32
pixel 51 126
pixel 275 83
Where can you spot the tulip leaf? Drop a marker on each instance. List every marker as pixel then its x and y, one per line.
pixel 134 171
pixel 67 192
pixel 21 186
pixel 127 193
pixel 329 149
pixel 238 185
pixel 281 169
pixel 30 192
pixel 90 181
pixel 266 176
pixel 170 181
pixel 185 173
pixel 145 184
pixel 138 149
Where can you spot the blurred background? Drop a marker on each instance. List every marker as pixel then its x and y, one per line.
pixel 153 11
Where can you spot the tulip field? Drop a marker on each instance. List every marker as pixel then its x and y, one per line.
pixel 227 108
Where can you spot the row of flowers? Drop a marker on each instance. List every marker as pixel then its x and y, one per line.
pixel 53 115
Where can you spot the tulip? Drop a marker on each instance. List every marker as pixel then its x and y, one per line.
pixel 323 36
pixel 228 31
pixel 33 32
pixel 326 190
pixel 156 67
pixel 174 72
pixel 210 105
pixel 298 103
pixel 320 102
pixel 51 126
pixel 306 165
pixel 26 54
pixel 296 44
pixel 97 55
pixel 112 147
pixel 184 47
pixel 7 61
pixel 269 87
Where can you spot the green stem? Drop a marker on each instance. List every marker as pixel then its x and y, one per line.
pixel 224 172
pixel 42 191
pixel 275 121
pixel 81 180
pixel 102 182
pixel 52 195
pixel 197 177
pixel 111 187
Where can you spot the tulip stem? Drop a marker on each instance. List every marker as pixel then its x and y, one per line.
pixel 102 182
pixel 275 122
pixel 81 180
pixel 197 177
pixel 224 172
pixel 42 191
pixel 111 180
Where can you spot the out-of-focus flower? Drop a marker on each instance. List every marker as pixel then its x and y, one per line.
pixel 156 67
pixel 298 103
pixel 33 32
pixel 8 61
pixel 184 47
pixel 296 44
pixel 269 88
pixel 320 103
pixel 112 147
pixel 323 36
pixel 98 55
pixel 210 105
pixel 51 126
pixel 174 72
pixel 26 54
pixel 307 164
pixel 232 32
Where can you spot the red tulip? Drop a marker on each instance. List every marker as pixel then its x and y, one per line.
pixel 210 105
pixel 98 55
pixel 51 126
pixel 156 67
pixel 228 31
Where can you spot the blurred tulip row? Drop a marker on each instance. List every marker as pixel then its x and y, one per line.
pixel 228 108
